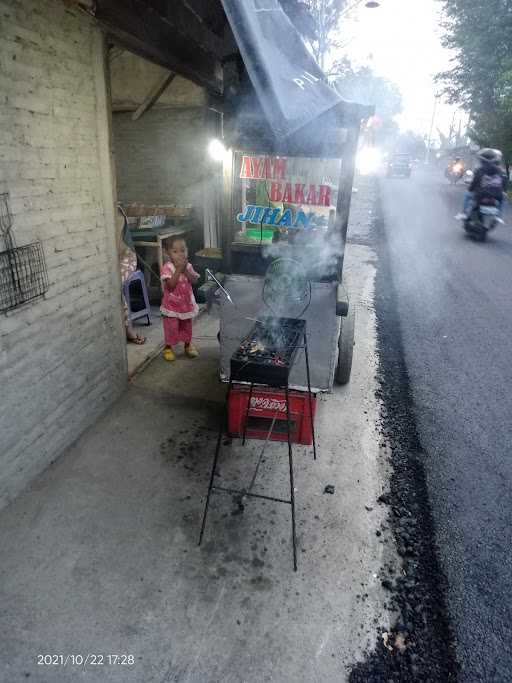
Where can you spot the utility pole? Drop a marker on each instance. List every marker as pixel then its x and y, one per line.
pixel 429 142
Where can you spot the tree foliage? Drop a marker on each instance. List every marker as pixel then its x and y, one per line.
pixel 480 80
pixel 317 21
pixel 361 84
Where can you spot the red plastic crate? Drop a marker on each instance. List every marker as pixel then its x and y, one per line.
pixel 265 404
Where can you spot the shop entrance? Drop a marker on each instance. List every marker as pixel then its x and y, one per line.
pixel 167 185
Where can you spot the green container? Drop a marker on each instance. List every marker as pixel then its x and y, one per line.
pixel 257 234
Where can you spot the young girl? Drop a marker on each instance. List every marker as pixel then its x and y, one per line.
pixel 178 302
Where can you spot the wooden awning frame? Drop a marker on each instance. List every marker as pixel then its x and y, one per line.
pixel 172 34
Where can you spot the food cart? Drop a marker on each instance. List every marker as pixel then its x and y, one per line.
pixel 286 322
pixel 289 201
pixel 287 185
pixel 285 205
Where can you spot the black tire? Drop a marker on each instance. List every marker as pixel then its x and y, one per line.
pixel 345 347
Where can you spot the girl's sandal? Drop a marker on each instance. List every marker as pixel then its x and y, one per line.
pixel 191 351
pixel 169 354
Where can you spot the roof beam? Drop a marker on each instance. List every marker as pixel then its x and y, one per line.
pixel 167 34
pixel 153 95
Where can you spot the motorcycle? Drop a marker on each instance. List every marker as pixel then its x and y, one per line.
pixel 483 218
pixel 454 173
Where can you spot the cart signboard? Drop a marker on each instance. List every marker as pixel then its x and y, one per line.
pixel 274 196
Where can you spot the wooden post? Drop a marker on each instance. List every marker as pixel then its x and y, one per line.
pixel 346 181
pixel 153 95
pixel 227 210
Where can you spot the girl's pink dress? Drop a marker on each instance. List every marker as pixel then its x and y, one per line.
pixel 178 307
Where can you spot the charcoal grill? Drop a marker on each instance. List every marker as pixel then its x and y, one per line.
pixel 267 354
pixel 265 357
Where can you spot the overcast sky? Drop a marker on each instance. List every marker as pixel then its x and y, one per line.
pixel 401 40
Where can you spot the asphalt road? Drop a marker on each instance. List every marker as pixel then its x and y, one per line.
pixel 454 299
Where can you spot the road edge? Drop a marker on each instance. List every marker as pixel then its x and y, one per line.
pixel 420 646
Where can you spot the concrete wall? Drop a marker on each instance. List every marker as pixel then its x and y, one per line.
pixel 161 157
pixel 132 78
pixel 62 359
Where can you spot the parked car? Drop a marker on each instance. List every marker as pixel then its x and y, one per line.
pixel 399 165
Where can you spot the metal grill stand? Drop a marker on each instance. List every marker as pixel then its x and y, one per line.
pixel 243 493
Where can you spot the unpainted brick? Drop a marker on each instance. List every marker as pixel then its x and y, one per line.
pixel 56 355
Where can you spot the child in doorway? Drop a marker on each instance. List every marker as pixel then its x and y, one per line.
pixel 178 303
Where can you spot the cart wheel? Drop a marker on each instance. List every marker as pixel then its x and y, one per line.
pixel 345 347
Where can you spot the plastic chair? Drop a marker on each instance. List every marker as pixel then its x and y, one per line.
pixel 137 276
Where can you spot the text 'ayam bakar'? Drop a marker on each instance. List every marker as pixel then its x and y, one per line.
pixel 279 190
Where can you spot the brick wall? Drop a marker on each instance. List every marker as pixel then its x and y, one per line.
pixel 161 157
pixel 62 360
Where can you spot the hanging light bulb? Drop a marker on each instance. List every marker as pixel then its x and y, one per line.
pixel 216 150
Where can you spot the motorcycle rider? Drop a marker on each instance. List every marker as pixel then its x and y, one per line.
pixel 458 162
pixel 489 182
pixel 455 166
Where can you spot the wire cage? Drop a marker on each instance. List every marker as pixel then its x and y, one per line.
pixel 23 275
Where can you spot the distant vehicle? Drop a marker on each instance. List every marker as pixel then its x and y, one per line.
pixel 455 172
pixel 399 165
